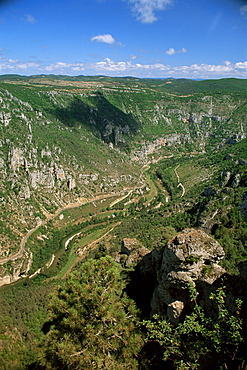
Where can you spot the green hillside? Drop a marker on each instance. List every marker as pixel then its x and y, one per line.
pixel 91 165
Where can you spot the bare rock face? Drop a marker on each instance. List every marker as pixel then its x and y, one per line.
pixel 224 178
pixel 236 181
pixel 191 256
pixel 16 159
pixel 1 163
pixel 19 269
pixel 42 177
pixel 59 173
pixel 25 192
pixel 71 183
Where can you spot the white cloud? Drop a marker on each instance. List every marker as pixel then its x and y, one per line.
pixel 243 10
pixel 57 65
pixel 226 69
pixel 16 66
pixel 107 39
pixel 29 18
pixel 172 51
pixel 62 67
pixel 110 67
pixel 13 60
pixel 241 65
pixel 28 65
pixel 144 10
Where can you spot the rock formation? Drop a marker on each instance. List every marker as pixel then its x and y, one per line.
pixel 18 270
pixel 224 178
pixel 133 251
pixel 191 256
pixel 161 278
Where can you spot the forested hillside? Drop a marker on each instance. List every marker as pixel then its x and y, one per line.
pixel 121 198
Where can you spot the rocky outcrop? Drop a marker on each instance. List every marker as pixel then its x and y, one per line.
pixel 242 162
pixel 133 251
pixel 229 179
pixel 228 157
pixel 236 180
pixel 44 177
pixel 235 139
pixel 24 192
pixel 19 269
pixel 161 278
pixel 59 173
pixel 155 146
pixel 5 118
pixel 17 159
pixel 191 256
pixel 1 163
pixel 71 183
pixel 224 178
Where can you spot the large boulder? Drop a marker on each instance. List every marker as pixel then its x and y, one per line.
pixel 191 256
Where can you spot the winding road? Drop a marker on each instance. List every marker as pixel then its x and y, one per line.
pixel 19 254
pixel 179 183
pixel 81 201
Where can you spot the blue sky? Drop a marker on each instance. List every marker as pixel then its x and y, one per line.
pixel 141 38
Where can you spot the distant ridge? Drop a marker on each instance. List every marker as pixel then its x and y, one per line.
pixel 170 85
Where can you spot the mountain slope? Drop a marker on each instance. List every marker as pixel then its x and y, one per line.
pixel 66 140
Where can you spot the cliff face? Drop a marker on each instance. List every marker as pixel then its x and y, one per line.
pixel 47 161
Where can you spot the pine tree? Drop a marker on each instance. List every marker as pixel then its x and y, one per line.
pixel 93 321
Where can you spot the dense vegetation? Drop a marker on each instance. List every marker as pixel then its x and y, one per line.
pixel 93 324
pixel 200 341
pixel 152 227
pixel 90 322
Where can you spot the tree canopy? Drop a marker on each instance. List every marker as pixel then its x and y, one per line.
pixel 93 322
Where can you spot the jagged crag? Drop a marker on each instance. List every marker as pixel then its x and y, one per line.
pixel 151 172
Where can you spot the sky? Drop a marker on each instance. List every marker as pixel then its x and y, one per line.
pixel 198 39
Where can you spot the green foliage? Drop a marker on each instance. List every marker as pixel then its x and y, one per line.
pixel 93 322
pixel 150 230
pixel 74 121
pixel 23 311
pixel 198 339
pixel 192 259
